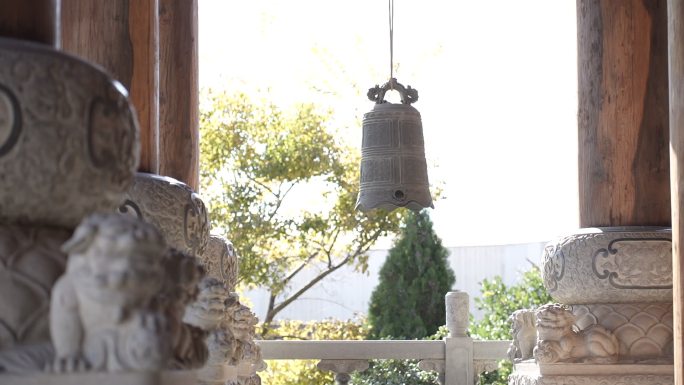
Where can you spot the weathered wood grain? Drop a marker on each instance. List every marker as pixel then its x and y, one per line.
pixel 178 91
pixel 623 113
pixel 122 37
pixel 34 20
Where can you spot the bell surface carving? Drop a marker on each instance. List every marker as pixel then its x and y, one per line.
pixel 393 165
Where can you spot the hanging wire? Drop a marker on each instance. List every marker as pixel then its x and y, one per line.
pixel 391 36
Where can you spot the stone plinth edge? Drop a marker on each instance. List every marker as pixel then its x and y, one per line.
pixel 127 378
pixel 529 373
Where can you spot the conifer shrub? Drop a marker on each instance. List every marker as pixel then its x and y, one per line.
pixel 408 302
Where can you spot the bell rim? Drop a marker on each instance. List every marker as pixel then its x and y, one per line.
pixel 415 205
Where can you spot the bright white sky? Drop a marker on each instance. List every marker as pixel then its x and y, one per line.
pixel 498 93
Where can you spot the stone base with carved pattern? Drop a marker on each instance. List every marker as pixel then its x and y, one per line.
pixel 531 373
pixel 614 323
pixel 102 378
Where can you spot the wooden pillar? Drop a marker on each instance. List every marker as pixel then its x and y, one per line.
pixel 34 20
pixel 676 89
pixel 178 91
pixel 122 37
pixel 623 113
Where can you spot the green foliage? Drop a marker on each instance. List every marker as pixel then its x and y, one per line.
pixel 305 372
pixel 394 372
pixel 500 301
pixel 258 164
pixel 399 372
pixel 409 299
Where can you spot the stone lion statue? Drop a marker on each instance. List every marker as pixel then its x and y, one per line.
pixel 101 317
pixel 524 335
pixel 559 340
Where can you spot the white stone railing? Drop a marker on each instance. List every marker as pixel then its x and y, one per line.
pixel 458 359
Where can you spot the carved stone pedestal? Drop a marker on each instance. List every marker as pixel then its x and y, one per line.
pixel 614 322
pixel 531 373
pixel 130 378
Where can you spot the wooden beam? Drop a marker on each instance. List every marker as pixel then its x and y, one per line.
pixel 34 20
pixel 122 37
pixel 675 28
pixel 623 113
pixel 178 91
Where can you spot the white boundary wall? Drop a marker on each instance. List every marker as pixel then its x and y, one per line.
pixel 346 292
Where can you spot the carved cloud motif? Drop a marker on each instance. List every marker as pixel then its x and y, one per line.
pixel 10 120
pixel 622 263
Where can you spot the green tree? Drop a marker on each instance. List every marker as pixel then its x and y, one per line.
pixel 409 299
pixel 499 301
pixel 284 186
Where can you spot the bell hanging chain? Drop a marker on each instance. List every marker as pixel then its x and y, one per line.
pixel 377 94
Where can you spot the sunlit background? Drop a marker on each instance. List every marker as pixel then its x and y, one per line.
pixel 497 82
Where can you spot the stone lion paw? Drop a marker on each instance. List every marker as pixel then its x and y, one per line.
pixel 69 364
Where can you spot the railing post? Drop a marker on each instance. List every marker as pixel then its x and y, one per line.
pixel 458 346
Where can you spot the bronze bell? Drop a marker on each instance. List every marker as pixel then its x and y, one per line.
pixel 393 165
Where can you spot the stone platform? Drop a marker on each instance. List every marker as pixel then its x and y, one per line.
pixel 531 373
pixel 180 377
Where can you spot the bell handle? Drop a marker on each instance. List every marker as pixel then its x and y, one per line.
pixel 408 95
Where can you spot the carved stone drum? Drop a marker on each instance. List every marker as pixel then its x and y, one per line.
pixel 68 147
pixel 68 137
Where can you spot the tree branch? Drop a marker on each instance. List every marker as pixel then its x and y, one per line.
pixel 277 309
pixel 272 312
pixel 279 200
pixel 328 252
pixel 265 187
pixel 300 268
pixel 266 325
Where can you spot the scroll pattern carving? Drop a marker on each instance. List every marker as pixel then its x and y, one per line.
pixel 610 265
pixel 622 263
pixel 173 208
pixel 220 260
pixel 46 114
pixel 10 120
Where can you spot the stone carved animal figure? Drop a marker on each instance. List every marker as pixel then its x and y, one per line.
pixel 180 289
pixel 101 317
pixel 247 355
pixel 524 335
pixel 209 312
pixel 558 340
